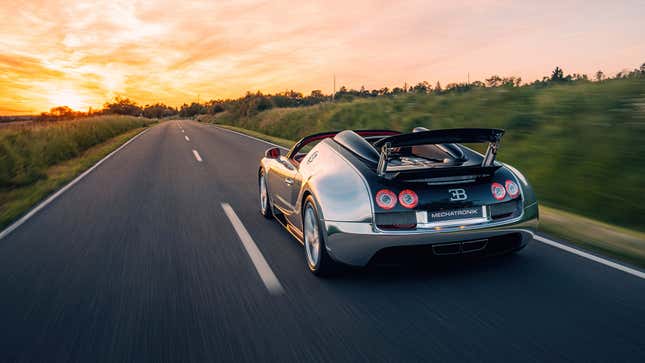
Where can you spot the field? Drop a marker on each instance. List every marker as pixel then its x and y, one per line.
pixel 581 145
pixel 36 160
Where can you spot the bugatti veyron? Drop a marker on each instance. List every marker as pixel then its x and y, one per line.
pixel 353 197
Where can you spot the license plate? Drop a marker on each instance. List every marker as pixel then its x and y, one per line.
pixel 457 216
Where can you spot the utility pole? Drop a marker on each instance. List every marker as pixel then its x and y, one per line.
pixel 468 79
pixel 333 95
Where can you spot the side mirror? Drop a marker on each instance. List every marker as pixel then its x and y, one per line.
pixel 272 153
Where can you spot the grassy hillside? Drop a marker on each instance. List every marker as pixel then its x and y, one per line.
pixel 582 145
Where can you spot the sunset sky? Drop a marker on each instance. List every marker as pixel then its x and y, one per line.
pixel 83 53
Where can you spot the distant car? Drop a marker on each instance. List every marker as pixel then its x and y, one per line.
pixel 357 196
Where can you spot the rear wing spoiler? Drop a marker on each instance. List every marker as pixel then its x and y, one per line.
pixel 445 136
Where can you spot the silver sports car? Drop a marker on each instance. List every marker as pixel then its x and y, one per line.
pixel 355 197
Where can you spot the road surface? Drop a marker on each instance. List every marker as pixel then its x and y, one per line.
pixel 140 262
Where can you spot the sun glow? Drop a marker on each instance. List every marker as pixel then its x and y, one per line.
pixel 67 97
pixel 85 53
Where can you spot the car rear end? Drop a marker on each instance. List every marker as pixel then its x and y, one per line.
pixel 465 209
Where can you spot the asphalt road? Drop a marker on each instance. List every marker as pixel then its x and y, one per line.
pixel 139 262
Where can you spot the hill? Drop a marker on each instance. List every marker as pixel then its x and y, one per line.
pixel 581 144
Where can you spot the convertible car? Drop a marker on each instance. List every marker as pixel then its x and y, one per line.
pixel 353 197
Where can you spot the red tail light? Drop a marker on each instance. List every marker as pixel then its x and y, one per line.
pixel 386 199
pixel 512 189
pixel 498 191
pixel 408 198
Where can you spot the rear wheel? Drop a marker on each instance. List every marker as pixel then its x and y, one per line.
pixel 316 255
pixel 265 203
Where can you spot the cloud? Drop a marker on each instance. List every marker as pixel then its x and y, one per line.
pixel 173 51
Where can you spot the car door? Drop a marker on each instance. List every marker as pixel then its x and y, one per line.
pixel 293 191
pixel 281 180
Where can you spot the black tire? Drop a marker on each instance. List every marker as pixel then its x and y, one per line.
pixel 322 264
pixel 265 205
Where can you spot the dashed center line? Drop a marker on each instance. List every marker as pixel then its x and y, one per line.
pixel 261 266
pixel 197 156
pixel 187 138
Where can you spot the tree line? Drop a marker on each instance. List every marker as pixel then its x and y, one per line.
pixel 253 103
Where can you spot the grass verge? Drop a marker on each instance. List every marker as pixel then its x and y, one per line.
pixel 620 243
pixel 606 239
pixel 17 201
pixel 276 140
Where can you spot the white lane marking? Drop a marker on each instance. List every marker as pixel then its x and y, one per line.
pixel 589 256
pixel 261 266
pixel 199 158
pixel 62 190
pixel 182 130
pixel 252 137
pixel 187 138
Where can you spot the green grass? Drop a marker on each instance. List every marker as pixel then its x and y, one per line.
pixel 37 160
pixel 276 140
pixel 620 243
pixel 27 151
pixel 581 144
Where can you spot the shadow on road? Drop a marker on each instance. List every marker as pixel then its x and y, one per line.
pixel 433 269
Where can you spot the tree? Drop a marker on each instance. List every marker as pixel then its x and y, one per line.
pixel 511 81
pixel 61 111
pixel 158 110
pixel 494 81
pixel 437 87
pixel 317 94
pixel 622 74
pixel 123 106
pixel 557 75
pixel 191 110
pixel 600 76
pixel 580 77
pixel 421 87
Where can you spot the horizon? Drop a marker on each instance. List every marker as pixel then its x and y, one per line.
pixel 83 55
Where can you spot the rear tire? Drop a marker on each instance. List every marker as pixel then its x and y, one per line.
pixel 265 202
pixel 316 256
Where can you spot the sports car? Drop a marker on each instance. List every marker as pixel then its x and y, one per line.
pixel 356 196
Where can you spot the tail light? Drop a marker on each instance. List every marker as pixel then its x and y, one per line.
pixel 386 199
pixel 408 198
pixel 498 191
pixel 512 188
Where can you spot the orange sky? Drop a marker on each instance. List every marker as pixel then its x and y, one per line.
pixel 82 53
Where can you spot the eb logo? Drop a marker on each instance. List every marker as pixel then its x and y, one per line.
pixel 457 194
